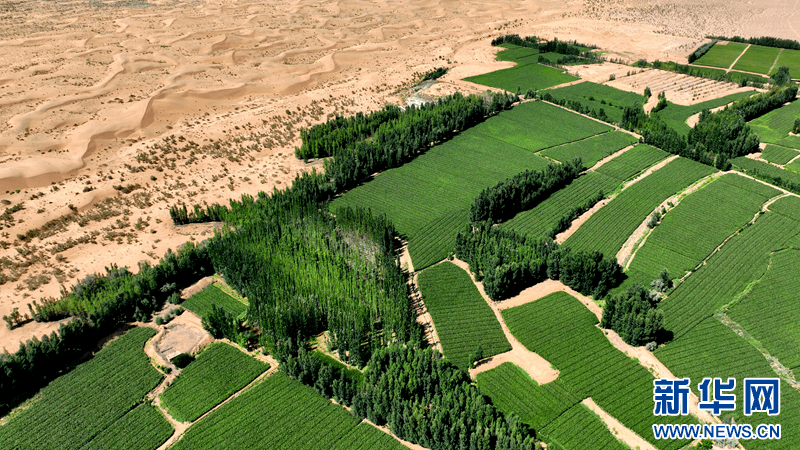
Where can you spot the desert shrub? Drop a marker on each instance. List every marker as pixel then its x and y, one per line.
pixel 651 346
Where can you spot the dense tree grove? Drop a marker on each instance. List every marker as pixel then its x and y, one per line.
pixel 99 304
pixel 765 41
pixel 633 117
pixel 566 221
pixel 758 105
pixel 522 191
pixel 702 50
pixel 327 138
pixel 211 213
pixel 634 316
pixel 508 262
pixel 782 76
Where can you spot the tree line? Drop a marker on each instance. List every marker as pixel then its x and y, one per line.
pixel 508 262
pixel 574 105
pixel 765 41
pixel 700 51
pixel 522 192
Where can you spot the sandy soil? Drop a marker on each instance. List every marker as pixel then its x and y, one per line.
pixel 678 88
pixel 617 429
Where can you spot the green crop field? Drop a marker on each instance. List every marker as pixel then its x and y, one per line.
pixel 700 223
pixel 78 406
pixel 774 126
pixel 442 182
pixel 632 162
pixel 794 166
pixel 751 166
pixel 742 260
pixel 544 216
pixel 512 390
pixel 757 59
pixel 608 229
pixel 721 55
pixel 788 207
pixel 217 373
pixel 769 311
pixel 790 59
pixel 200 303
pixel 779 155
pixel 462 318
pixel 675 116
pixel 282 414
pixel 591 150
pixel 435 240
pixel 711 349
pixel 520 55
pixel 144 428
pixel 599 96
pixel 523 77
pixel 563 432
pixel 560 329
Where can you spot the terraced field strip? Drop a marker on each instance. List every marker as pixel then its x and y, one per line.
pixel 590 150
pixel 711 349
pixel 463 319
pixel 201 302
pixel 779 155
pixel 563 331
pixel 774 126
pixel 217 373
pixel 595 97
pixel 425 197
pixel 608 229
pixel 728 273
pixel 722 55
pixel 757 59
pixel 89 400
pixel 279 413
pixel 698 224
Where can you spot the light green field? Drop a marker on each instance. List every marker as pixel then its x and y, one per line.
pixel 563 432
pixel 143 428
pixel 608 229
pixel 774 126
pixel 591 150
pixel 562 330
pixel 675 116
pixel 523 77
pixel 757 59
pixel 599 96
pixel 752 166
pixel 201 302
pixel 632 162
pixel 721 55
pixel 790 59
pixel 779 155
pixel 434 241
pixel 462 318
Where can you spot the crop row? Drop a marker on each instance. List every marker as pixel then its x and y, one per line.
pixel 435 240
pixel 758 59
pixel 144 428
pixel 560 329
pixel 592 149
pixel 523 77
pixel 201 302
pixel 579 428
pixel 462 318
pixel 281 414
pixel 217 373
pixel 743 259
pixel 711 349
pixel 779 155
pixel 75 407
pixel 722 55
pixel 699 224
pixel 632 162
pixel 599 96
pixel 608 229
pixel 774 126
pixel 788 207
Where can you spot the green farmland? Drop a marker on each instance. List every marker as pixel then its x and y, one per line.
pixel 562 434
pixel 608 229
pixel 721 55
pixel 675 116
pixel 523 77
pixel 774 126
pixel 143 428
pixel 201 302
pixel 790 59
pixel 762 169
pixel 632 162
pixel 757 59
pixel 779 155
pixel 461 316
pixel 598 96
pixel 560 329
pixel 590 150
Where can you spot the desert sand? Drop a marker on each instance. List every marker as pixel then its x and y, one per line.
pixel 112 111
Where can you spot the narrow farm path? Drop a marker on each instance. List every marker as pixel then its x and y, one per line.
pixel 564 235
pixel 537 367
pixel 420 310
pixel 637 239
pixel 793 160
pixel 651 103
pixel 695 118
pixel 737 59
pixel 637 136
pixel 776 60
pixel 608 158
pixel 617 429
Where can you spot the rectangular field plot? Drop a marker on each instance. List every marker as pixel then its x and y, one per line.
pixel 760 168
pixel 282 414
pixel 560 329
pixel 608 229
pixel 712 350
pixel 544 216
pixel 779 155
pixel 462 318
pixel 215 375
pixel 201 302
pixel 523 77
pixel 757 59
pixel 721 55
pixel 675 116
pixel 700 223
pixel 591 150
pixel 74 408
pixel 520 55
pixel 579 428
pixel 742 260
pixel 632 162
pixel 144 428
pixel 513 391
pixel 770 310
pixel 787 207
pixel 447 178
pixel 790 59
pixel 599 96
pixel 774 126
